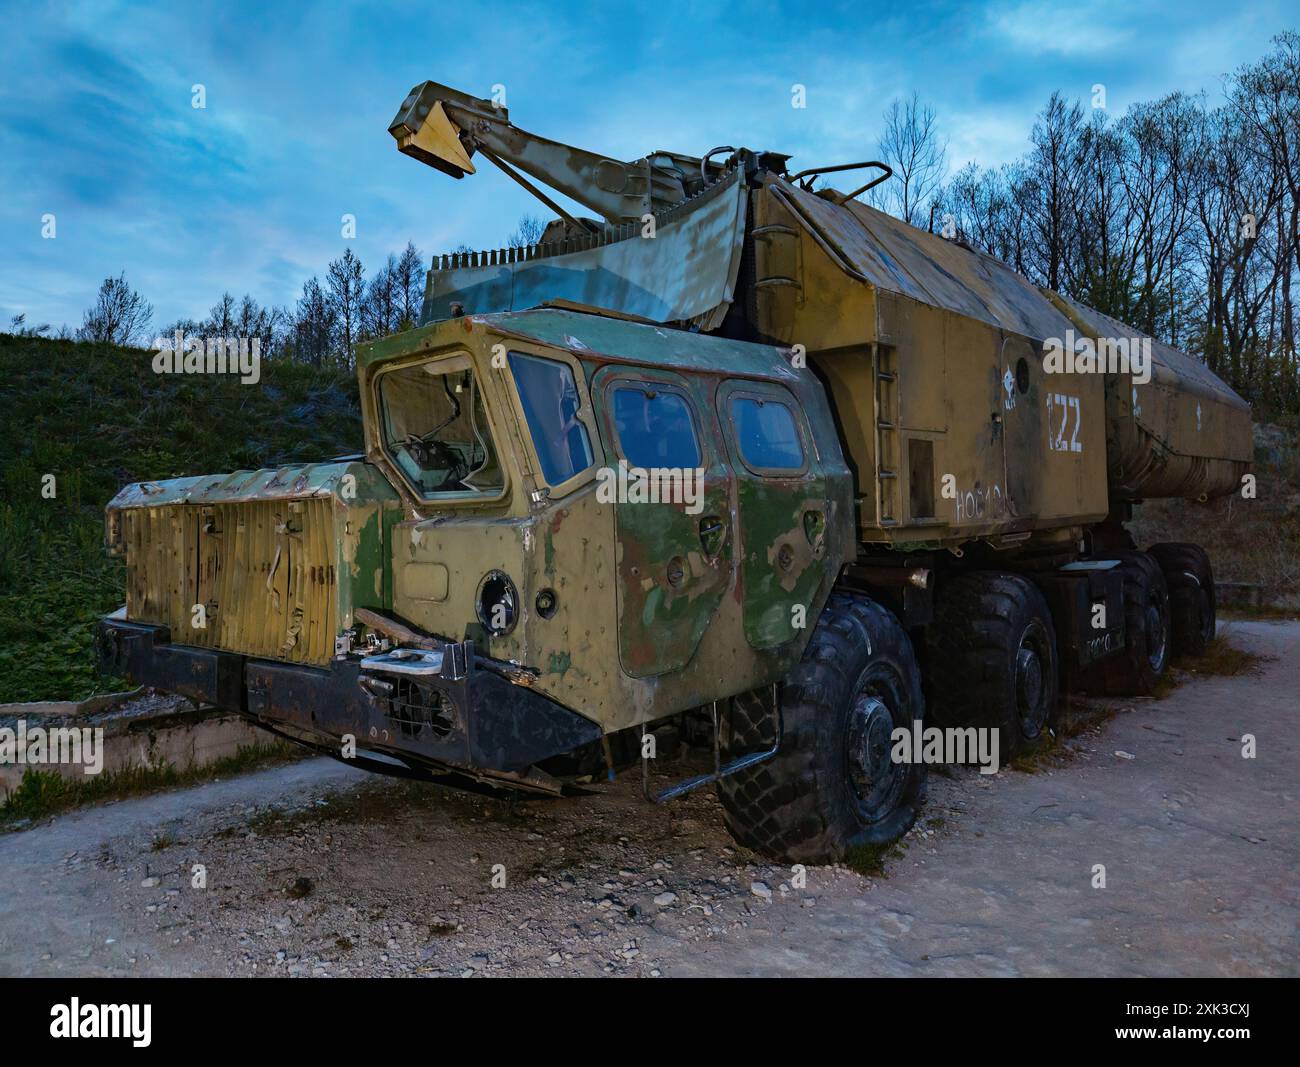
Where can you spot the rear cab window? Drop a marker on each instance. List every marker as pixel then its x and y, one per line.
pixel 766 430
pixel 654 425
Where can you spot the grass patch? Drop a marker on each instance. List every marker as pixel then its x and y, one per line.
pixel 1266 612
pixel 1051 751
pixel 1165 685
pixel 1222 659
pixel 869 860
pixel 41 794
pixel 1033 760
pixel 97 417
pixel 1076 720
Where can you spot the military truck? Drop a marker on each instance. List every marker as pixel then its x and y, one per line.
pixel 737 459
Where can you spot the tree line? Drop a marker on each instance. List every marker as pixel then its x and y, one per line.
pixel 326 321
pixel 1178 217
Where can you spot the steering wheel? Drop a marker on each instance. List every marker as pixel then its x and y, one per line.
pixel 437 455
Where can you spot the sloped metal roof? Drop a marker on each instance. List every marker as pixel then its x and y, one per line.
pixel 1189 371
pixel 891 255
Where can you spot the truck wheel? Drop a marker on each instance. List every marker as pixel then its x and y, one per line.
pixel 992 658
pixel 833 784
pixel 1141 664
pixel 1192 605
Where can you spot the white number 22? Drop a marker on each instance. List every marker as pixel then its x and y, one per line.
pixel 1057 440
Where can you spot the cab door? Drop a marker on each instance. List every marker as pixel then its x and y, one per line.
pixel 781 503
pixel 668 483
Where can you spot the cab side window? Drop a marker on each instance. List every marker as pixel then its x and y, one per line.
pixel 767 435
pixel 655 428
pixel 549 396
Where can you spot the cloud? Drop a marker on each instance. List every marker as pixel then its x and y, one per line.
pixel 1040 26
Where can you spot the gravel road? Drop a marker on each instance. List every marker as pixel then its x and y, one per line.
pixel 318 869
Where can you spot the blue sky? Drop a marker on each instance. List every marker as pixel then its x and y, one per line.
pixel 97 127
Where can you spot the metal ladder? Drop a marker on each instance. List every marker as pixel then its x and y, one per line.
pixel 888 457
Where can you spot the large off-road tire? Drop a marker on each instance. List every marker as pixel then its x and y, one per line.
pixel 833 784
pixel 1136 670
pixel 991 659
pixel 1192 606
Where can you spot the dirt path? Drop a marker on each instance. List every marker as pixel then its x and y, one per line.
pixel 319 869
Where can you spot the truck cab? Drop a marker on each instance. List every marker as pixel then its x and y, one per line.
pixel 563 524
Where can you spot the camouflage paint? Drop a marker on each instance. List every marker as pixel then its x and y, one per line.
pixel 686 272
pixel 615 649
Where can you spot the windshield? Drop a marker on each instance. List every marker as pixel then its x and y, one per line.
pixel 436 428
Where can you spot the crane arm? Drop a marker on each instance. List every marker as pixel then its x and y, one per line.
pixel 446 129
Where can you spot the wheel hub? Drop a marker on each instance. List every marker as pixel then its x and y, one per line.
pixel 1031 704
pixel 871 770
pixel 1029 678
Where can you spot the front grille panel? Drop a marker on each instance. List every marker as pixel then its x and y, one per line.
pixel 415 708
pixel 264 573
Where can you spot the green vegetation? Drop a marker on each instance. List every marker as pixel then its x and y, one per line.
pixel 1222 659
pixel 869 860
pixel 1051 751
pixel 97 417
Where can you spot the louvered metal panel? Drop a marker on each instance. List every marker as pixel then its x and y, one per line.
pixel 264 574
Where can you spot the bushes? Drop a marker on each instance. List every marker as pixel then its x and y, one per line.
pixel 96 417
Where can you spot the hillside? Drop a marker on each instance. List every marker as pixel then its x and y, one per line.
pixel 1253 541
pixel 96 417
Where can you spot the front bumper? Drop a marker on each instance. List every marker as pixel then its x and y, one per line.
pixel 463 716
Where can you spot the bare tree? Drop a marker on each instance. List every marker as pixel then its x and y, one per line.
pixel 265 324
pixel 528 232
pixel 1179 218
pixel 119 316
pixel 381 307
pixel 221 318
pixel 313 324
pixel 910 145
pixel 1057 171
pixel 19 328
